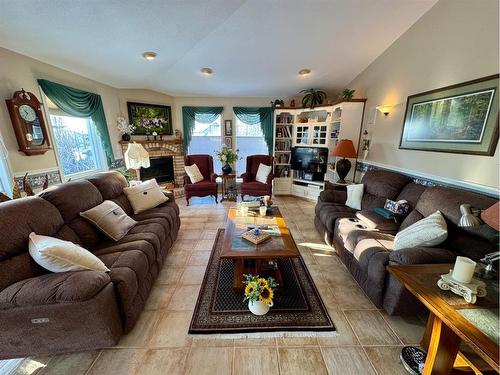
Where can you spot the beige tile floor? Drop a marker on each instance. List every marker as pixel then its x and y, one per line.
pixel 368 340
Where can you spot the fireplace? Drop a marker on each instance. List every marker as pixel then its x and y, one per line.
pixel 162 168
pixel 159 149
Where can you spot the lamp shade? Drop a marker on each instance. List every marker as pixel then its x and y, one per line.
pixel 345 148
pixel 490 216
pixel 136 156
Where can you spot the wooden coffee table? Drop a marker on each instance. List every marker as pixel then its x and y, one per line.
pixel 452 320
pixel 256 259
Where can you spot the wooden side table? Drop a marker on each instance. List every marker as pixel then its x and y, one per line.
pixel 229 192
pixel 452 320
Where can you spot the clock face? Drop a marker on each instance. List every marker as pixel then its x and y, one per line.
pixel 27 113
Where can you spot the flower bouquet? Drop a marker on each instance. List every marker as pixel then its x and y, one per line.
pixel 227 156
pixel 124 128
pixel 259 293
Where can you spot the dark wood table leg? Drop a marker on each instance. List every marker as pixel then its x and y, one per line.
pixel 239 270
pixel 442 349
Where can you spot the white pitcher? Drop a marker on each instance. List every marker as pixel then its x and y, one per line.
pixel 259 308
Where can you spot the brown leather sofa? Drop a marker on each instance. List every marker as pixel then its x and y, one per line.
pixel 366 253
pixel 43 312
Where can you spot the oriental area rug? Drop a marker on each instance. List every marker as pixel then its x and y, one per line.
pixel 221 313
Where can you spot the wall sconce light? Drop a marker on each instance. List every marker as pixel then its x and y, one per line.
pixel 385 109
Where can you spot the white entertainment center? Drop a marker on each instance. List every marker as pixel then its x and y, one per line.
pixel 319 127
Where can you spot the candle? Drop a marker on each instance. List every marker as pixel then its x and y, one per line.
pixel 464 270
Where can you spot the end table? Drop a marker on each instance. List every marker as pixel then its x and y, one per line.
pixel 229 192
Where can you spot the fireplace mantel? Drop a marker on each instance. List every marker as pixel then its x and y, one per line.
pixel 165 147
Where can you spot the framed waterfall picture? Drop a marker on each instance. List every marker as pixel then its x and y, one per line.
pixel 462 119
pixel 149 118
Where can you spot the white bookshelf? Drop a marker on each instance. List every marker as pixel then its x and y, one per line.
pixel 321 126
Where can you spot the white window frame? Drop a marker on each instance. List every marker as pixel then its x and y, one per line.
pixel 5 175
pixel 221 139
pixel 100 155
pixel 235 139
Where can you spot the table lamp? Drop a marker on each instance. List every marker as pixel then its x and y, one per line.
pixel 136 157
pixel 345 149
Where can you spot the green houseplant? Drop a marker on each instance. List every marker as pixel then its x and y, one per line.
pixel 313 97
pixel 347 94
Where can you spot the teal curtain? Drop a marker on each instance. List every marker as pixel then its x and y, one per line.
pixel 190 115
pixel 81 103
pixel 258 115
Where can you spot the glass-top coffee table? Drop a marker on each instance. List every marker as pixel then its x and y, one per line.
pixel 258 259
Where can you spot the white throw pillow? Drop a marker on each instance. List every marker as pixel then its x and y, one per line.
pixel 194 173
pixel 58 255
pixel 145 196
pixel 430 231
pixel 262 172
pixel 354 196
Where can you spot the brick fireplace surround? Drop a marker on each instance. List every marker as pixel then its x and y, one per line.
pixel 166 147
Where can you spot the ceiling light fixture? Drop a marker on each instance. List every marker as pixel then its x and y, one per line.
pixel 304 72
pixel 149 55
pixel 206 71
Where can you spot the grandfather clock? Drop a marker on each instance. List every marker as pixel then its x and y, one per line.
pixel 28 122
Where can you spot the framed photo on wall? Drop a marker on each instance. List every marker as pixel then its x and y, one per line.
pixel 228 128
pixel 228 142
pixel 461 119
pixel 149 118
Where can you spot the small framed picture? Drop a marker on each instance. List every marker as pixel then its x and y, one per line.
pixel 228 128
pixel 228 142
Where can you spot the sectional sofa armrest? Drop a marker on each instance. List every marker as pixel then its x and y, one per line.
pixel 186 179
pixel 333 196
pixel 170 196
pixel 422 255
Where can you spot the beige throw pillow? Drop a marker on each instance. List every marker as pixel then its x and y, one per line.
pixel 145 196
pixel 194 173
pixel 110 219
pixel 262 172
pixel 354 196
pixel 58 255
pixel 427 232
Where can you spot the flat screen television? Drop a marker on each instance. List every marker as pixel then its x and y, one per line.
pixel 310 159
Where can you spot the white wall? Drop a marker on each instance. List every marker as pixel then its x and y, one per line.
pixel 455 41
pixel 18 71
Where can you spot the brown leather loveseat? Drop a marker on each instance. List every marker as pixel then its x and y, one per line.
pixel 43 312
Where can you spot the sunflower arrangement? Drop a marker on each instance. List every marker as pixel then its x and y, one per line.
pixel 259 289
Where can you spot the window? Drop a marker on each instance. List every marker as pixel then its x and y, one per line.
pixel 250 141
pixel 5 185
pixel 206 139
pixel 77 145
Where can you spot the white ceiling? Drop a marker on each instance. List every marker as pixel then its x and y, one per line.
pixel 255 47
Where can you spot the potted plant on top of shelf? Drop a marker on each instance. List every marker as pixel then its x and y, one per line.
pixel 313 97
pixel 347 94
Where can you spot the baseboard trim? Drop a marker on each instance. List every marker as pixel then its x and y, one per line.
pixel 429 179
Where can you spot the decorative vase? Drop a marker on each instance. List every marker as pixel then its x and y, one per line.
pixel 126 137
pixel 258 307
pixel 226 169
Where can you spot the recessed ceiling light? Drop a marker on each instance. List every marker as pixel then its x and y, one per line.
pixel 206 71
pixel 304 72
pixel 149 55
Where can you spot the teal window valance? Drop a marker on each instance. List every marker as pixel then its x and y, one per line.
pixel 255 116
pixel 190 115
pixel 81 103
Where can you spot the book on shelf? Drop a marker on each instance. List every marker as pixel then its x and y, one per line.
pixel 283 145
pixel 283 132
